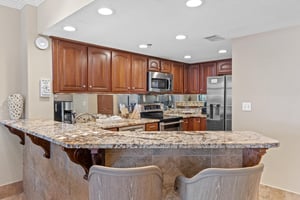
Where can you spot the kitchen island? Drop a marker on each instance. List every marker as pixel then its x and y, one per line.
pixel 70 149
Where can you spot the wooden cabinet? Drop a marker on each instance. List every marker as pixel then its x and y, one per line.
pixel 206 70
pixel 177 71
pixel 158 65
pixel 153 64
pixel 151 126
pixel 112 129
pixel 202 123
pixel 78 68
pixel 166 66
pixel 194 124
pixel 129 73
pixel 224 67
pixel 185 124
pixel 99 70
pixel 185 79
pixel 138 74
pixel 193 79
pixel 69 67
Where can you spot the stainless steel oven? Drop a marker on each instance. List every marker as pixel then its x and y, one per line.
pixel 166 123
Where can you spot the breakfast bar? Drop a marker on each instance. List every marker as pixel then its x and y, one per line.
pixel 71 149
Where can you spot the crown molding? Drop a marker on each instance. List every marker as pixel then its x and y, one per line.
pixel 19 4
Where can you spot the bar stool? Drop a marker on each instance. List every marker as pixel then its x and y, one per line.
pixel 221 184
pixel 139 183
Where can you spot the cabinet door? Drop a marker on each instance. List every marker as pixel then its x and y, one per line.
pixel 165 66
pixel 177 71
pixel 194 124
pixel 202 123
pixel 153 64
pixel 206 70
pixel 151 127
pixel 105 104
pixel 224 67
pixel 138 74
pixel 121 71
pixel 186 79
pixel 99 70
pixel 193 79
pixel 69 67
pixel 185 124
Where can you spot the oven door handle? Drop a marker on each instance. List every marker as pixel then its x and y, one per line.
pixel 171 123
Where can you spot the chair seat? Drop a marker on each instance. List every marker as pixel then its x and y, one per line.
pixel 140 183
pixel 221 184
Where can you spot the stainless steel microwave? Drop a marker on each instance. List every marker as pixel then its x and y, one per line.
pixel 160 82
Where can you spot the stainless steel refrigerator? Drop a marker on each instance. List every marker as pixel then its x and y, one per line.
pixel 219 103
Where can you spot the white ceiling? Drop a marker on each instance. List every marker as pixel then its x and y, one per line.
pixel 158 22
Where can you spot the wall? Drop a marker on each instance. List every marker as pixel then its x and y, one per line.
pixel 266 70
pixel 38 65
pixel 10 82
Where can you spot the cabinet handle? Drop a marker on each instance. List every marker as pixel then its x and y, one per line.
pixel 84 86
pixel 128 88
pixel 90 86
pixel 133 87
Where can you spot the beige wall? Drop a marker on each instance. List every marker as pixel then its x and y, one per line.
pixel 10 82
pixel 266 69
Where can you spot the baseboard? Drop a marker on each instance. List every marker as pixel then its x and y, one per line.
pixel 270 193
pixel 11 189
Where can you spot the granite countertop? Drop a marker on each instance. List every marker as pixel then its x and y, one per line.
pixel 91 135
pixel 185 113
pixel 122 122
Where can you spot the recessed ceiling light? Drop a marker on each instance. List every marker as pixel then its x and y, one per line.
pixel 144 46
pixel 221 51
pixel 69 28
pixel 180 37
pixel 105 11
pixel 193 3
pixel 187 57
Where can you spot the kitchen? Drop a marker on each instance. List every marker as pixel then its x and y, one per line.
pixel 246 66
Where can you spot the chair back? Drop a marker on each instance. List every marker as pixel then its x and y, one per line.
pixel 221 184
pixel 140 183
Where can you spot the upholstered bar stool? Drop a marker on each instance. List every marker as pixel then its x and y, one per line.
pixel 140 183
pixel 221 184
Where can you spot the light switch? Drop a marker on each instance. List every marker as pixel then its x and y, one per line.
pixel 246 106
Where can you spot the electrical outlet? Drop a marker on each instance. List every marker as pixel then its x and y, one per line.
pixel 246 106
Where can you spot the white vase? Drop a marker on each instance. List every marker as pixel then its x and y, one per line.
pixel 15 106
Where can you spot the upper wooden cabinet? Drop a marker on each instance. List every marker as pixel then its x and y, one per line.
pixel 99 70
pixel 166 66
pixel 78 68
pixel 158 65
pixel 206 70
pixel 192 77
pixel 153 64
pixel 224 67
pixel 129 73
pixel 69 66
pixel 177 71
pixel 139 74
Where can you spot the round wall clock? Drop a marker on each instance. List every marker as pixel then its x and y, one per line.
pixel 41 42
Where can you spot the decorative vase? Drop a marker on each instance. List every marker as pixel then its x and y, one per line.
pixel 15 106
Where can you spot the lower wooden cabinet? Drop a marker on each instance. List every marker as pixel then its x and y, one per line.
pixel 194 124
pixel 112 129
pixel 151 126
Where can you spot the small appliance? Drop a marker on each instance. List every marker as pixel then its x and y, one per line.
pixel 160 82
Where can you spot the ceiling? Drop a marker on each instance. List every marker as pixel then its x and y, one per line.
pixel 157 22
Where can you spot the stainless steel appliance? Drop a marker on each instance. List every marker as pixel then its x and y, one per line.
pixel 166 123
pixel 219 103
pixel 133 128
pixel 160 82
pixel 63 111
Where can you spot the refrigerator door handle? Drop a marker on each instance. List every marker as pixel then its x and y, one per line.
pixel 211 111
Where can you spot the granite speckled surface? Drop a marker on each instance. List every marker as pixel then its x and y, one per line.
pixel 92 135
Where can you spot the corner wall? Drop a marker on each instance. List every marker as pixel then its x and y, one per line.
pixel 10 82
pixel 266 69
